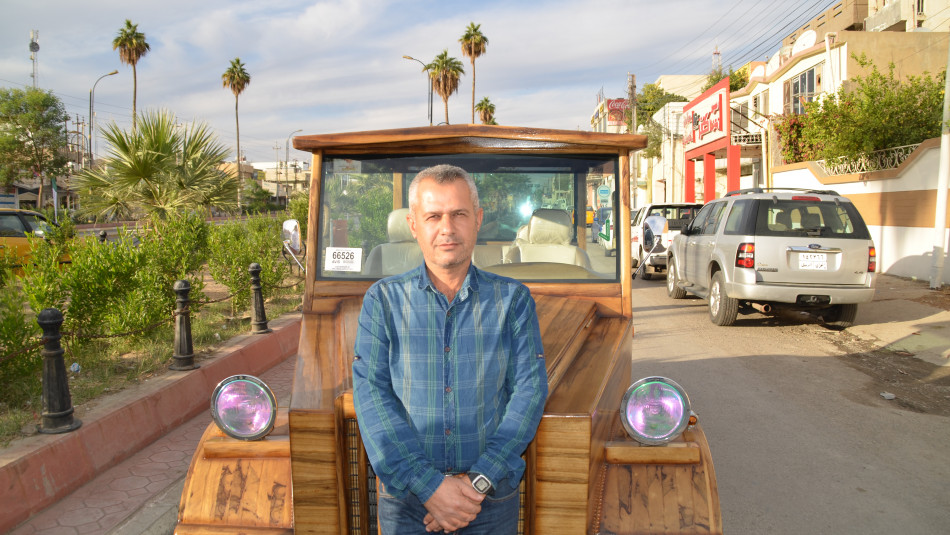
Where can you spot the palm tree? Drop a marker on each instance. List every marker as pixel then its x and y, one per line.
pixel 474 44
pixel 156 171
pixel 132 46
pixel 486 111
pixel 237 79
pixel 445 72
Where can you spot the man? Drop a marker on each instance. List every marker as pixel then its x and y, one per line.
pixel 449 380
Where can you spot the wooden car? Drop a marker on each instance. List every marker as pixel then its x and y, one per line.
pixel 585 471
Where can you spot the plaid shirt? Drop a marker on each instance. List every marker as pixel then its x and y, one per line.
pixel 445 387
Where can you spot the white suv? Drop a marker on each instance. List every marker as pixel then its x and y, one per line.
pixel 765 250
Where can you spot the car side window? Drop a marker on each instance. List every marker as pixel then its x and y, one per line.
pixel 738 214
pixel 11 226
pixel 715 216
pixel 696 225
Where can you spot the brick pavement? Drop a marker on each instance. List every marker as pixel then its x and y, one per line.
pixel 120 492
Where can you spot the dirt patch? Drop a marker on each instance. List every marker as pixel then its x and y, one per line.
pixel 916 385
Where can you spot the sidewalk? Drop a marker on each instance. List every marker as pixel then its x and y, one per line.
pixel 134 447
pixel 907 316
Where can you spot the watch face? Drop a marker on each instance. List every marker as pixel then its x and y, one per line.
pixel 481 484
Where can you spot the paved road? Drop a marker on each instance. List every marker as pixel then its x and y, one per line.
pixel 800 442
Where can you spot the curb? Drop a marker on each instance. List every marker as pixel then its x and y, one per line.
pixel 38 471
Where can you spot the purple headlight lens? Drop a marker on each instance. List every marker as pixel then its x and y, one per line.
pixel 655 410
pixel 244 407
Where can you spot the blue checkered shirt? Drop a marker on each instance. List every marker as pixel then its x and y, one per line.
pixel 445 387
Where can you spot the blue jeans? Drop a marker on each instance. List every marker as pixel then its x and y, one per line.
pixel 401 516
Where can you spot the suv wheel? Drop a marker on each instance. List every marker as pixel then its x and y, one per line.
pixel 672 289
pixel 722 308
pixel 840 316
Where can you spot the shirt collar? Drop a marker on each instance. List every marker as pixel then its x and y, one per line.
pixel 470 284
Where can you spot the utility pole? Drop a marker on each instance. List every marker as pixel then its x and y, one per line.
pixel 277 168
pixel 632 103
pixel 34 49
pixel 943 179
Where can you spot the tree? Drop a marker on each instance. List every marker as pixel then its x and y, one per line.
pixel 869 113
pixel 445 72
pixel 237 79
pixel 156 171
pixel 32 136
pixel 474 44
pixel 650 99
pixel 737 79
pixel 132 46
pixel 486 111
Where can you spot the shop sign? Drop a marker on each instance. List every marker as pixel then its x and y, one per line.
pixel 706 119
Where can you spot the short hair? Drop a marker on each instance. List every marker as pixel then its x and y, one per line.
pixel 442 174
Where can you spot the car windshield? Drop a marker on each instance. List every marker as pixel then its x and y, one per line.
pixel 530 229
pixel 36 223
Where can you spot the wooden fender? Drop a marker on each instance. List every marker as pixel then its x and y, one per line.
pixel 236 486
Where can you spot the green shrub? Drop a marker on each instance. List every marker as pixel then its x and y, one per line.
pixel 20 368
pixel 871 113
pixel 238 244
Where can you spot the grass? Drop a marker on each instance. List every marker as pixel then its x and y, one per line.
pixel 112 364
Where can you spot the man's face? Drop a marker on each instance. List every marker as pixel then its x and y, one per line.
pixel 445 223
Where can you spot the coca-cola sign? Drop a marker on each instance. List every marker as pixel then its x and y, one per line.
pixel 615 111
pixel 617 104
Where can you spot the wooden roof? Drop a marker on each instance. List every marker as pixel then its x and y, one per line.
pixel 470 138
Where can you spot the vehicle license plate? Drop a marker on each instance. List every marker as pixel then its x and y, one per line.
pixel 816 261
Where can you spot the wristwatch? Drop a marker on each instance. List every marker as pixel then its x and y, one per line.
pixel 480 483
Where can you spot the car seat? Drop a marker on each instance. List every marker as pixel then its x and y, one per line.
pixel 400 254
pixel 547 238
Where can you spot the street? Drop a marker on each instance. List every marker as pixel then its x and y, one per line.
pixel 801 441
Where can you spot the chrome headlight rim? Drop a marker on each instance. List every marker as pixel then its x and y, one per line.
pixel 653 384
pixel 263 393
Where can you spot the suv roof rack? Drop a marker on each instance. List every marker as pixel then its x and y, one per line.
pixel 765 189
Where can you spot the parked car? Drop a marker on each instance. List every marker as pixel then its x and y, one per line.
pixel 16 227
pixel 591 467
pixel 776 249
pixel 607 233
pixel 677 215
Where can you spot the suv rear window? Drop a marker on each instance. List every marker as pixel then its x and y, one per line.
pixel 795 217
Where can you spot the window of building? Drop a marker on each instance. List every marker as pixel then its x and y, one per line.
pixel 801 89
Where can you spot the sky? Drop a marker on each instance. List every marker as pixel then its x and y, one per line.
pixel 326 66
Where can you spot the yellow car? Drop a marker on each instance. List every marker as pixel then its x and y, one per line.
pixel 16 226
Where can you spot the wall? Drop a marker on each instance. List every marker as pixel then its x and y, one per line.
pixel 898 205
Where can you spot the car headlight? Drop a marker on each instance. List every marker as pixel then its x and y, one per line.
pixel 655 410
pixel 244 407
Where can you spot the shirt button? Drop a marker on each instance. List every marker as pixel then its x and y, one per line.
pixel 448 390
pixel 447 349
pixel 448 431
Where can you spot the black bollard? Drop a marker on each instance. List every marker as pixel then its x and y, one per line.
pixel 102 236
pixel 184 356
pixel 259 321
pixel 57 404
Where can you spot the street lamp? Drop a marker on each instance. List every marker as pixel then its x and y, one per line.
pixel 92 94
pixel 425 69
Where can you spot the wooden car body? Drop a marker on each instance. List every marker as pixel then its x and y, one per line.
pixel 584 474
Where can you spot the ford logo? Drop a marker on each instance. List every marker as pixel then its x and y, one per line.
pixel 814 246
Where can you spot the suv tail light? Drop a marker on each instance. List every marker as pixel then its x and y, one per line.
pixel 745 255
pixel 872 259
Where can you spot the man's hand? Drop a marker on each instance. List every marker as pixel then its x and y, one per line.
pixel 454 505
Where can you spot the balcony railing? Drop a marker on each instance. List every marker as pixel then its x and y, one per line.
pixel 874 161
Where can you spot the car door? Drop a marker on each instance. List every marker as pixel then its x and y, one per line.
pixel 13 237
pixel 701 242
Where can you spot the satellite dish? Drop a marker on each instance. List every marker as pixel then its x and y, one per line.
pixel 805 41
pixel 773 64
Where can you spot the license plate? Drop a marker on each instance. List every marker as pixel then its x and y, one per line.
pixel 813 261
